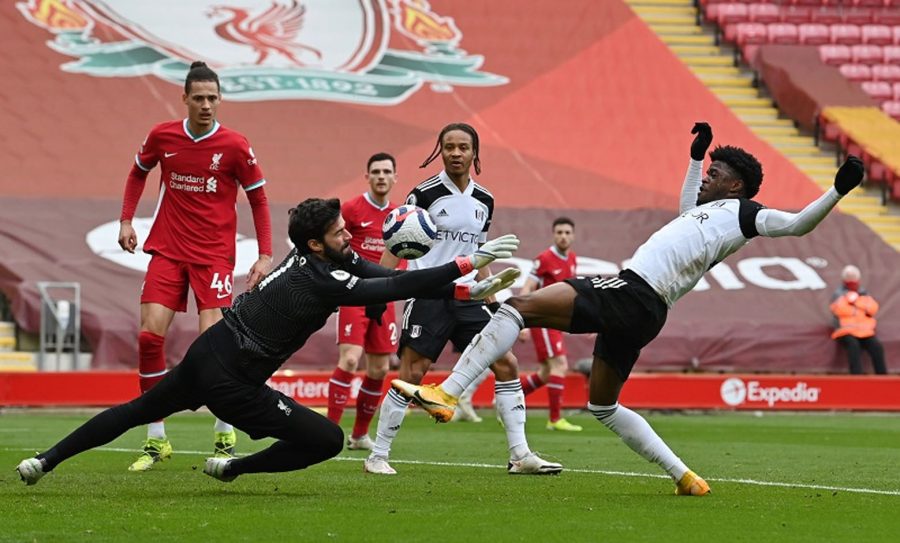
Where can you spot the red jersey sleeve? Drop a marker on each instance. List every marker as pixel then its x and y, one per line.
pixel 247 170
pixel 147 156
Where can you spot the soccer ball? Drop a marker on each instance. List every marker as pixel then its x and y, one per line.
pixel 408 232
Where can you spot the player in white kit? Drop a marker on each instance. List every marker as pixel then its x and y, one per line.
pixel 717 217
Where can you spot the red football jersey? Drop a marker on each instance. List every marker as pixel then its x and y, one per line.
pixel 363 220
pixel 552 267
pixel 196 219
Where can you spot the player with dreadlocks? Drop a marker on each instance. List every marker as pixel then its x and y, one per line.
pixel 462 209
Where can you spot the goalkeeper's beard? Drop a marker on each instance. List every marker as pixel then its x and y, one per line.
pixel 339 257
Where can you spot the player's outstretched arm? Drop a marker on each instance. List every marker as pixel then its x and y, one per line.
pixel 694 175
pixel 436 282
pixel 774 223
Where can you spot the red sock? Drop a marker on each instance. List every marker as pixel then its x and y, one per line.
pixel 338 394
pixel 532 382
pixel 366 404
pixel 151 360
pixel 555 393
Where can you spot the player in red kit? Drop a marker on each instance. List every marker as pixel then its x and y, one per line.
pixel 552 266
pixel 192 240
pixel 370 329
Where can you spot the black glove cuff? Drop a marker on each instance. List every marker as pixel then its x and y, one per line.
pixel 493 307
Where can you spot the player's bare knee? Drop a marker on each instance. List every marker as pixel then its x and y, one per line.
pixel 348 362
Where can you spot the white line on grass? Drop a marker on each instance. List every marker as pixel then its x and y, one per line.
pixel 575 470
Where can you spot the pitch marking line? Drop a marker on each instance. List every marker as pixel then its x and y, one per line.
pixel 588 471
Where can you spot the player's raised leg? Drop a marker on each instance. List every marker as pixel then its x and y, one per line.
pixel 497 338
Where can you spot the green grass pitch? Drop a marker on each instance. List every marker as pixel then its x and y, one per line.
pixel 778 477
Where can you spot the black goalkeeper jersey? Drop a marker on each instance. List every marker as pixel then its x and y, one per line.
pixel 274 320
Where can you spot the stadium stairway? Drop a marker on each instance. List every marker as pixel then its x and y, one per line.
pixel 10 359
pixel 676 24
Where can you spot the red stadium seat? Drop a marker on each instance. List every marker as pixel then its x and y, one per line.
pixel 856 72
pixel 732 13
pixel 785 33
pixel 751 33
pixel 869 3
pixel 886 72
pixel 835 55
pixel 858 16
pixel 844 33
pixel 795 14
pixel 889 16
pixel 892 108
pixel 808 2
pixel 764 13
pixel 878 90
pixel 891 54
pixel 896 87
pixel 866 54
pixel 814 34
pixel 826 15
pixel 896 33
pixel 877 34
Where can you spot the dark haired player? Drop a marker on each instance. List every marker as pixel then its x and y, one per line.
pixel 462 210
pixel 372 329
pixel 192 240
pixel 717 218
pixel 226 368
pixel 555 264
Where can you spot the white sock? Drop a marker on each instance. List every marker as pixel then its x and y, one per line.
pixel 511 408
pixel 222 427
pixel 636 432
pixel 497 337
pixel 393 409
pixel 156 430
pixel 473 386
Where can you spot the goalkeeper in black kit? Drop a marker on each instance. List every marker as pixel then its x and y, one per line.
pixel 226 368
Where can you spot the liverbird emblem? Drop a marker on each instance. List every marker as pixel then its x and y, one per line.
pixel 273 31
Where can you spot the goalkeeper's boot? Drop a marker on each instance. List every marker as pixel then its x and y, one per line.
pixel 691 484
pixel 154 450
pixel 215 467
pixel 30 471
pixel 562 425
pixel 431 398
pixel 223 447
pixel 533 464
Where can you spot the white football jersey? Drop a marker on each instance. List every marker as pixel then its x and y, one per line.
pixel 677 255
pixel 462 219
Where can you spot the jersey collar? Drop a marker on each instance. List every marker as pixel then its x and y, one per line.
pixel 452 186
pixel 201 137
pixel 558 254
pixel 375 204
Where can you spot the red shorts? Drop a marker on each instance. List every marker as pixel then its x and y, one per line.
pixel 548 343
pixel 354 328
pixel 167 283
